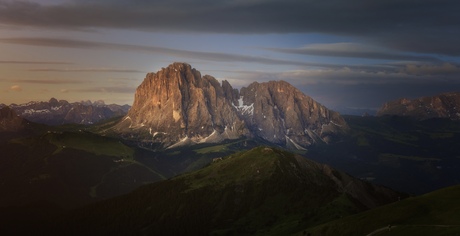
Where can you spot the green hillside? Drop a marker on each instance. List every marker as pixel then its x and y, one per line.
pixel 68 169
pixel 435 213
pixel 262 191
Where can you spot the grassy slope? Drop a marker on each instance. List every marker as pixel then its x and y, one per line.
pixel 69 169
pixel 262 191
pixel 90 143
pixel 435 213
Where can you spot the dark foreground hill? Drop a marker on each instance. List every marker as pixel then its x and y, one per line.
pixel 435 213
pixel 67 169
pixel 263 190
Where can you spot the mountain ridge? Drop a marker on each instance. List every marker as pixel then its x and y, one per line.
pixel 444 105
pixel 58 112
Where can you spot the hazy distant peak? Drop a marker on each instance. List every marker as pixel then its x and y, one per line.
pixel 445 105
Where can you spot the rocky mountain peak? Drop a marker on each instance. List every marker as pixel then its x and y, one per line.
pixel 178 106
pixel 53 101
pixel 99 103
pixel 7 113
pixel 282 114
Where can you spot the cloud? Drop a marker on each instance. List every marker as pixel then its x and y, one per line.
pixel 372 95
pixel 209 56
pixel 103 89
pixel 88 70
pixel 352 50
pixel 107 89
pixel 421 26
pixel 428 69
pixel 16 88
pixel 35 62
pixel 49 81
pixel 407 74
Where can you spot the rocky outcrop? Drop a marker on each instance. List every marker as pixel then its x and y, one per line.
pixel 10 121
pixel 177 106
pixel 56 112
pixel 446 105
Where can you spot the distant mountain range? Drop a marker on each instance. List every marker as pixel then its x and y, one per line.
pixel 446 105
pixel 178 107
pixel 60 112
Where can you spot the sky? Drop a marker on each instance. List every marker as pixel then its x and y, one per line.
pixel 354 54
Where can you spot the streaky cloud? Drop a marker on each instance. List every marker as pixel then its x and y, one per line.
pixel 49 81
pixel 106 89
pixel 209 56
pixel 429 69
pixel 87 70
pixel 408 74
pixel 352 50
pixel 36 62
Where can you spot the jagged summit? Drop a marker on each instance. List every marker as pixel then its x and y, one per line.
pixel 278 112
pixel 177 106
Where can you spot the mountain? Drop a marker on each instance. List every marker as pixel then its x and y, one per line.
pixel 279 113
pixel 446 105
pixel 177 106
pixel 263 190
pixel 56 112
pixel 10 121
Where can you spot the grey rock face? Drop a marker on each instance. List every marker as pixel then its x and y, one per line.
pixel 177 106
pixel 446 105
